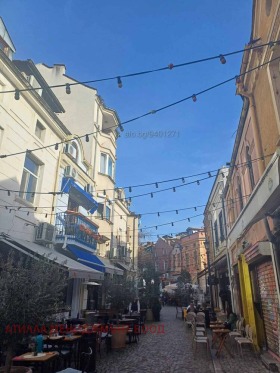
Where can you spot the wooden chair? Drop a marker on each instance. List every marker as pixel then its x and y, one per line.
pixel 247 340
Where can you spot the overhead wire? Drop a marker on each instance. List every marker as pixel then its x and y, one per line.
pixel 170 66
pixel 28 151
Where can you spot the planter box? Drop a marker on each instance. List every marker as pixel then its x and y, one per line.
pixel 119 333
pixel 149 315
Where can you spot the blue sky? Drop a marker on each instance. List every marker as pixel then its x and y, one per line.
pixel 97 39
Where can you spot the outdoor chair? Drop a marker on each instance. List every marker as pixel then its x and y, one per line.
pixel 179 311
pixel 197 331
pixel 85 358
pixel 247 340
pixel 200 319
pixel 199 338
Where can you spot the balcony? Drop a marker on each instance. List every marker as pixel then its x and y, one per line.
pixel 76 228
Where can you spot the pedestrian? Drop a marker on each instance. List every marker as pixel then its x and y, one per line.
pixel 223 295
pixel 134 307
pixel 231 321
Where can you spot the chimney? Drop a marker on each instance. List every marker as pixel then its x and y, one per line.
pixel 59 69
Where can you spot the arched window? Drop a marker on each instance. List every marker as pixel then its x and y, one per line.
pixel 250 168
pixel 239 192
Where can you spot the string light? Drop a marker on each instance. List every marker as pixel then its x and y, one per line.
pixel 119 82
pixel 177 212
pixel 222 59
pixel 67 88
pixel 194 98
pixel 17 94
pixel 130 189
pixel 156 185
pixel 168 67
pixel 152 196
pixel 143 115
pixel 183 180
pixel 209 174
pixel 174 189
pixel 197 181
pixel 158 214
pixel 9 193
pixel 172 224
pixel 56 146
pixel 87 138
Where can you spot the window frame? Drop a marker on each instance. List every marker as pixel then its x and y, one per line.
pixel 107 165
pixel 41 133
pixel 25 193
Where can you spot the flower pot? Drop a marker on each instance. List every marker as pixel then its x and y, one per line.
pixel 119 333
pixel 149 315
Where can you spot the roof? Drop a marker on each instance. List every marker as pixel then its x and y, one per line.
pixel 29 68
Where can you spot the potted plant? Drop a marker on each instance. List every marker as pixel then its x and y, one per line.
pixel 30 292
pixel 150 279
pixel 119 293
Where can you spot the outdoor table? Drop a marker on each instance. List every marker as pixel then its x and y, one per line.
pixel 71 341
pixel 216 326
pixel 45 360
pixel 220 335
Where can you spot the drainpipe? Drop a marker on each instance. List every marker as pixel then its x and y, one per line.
pixel 54 201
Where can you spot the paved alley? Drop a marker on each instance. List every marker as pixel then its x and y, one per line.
pixel 171 351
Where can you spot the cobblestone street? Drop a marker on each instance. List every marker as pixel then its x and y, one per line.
pixel 171 351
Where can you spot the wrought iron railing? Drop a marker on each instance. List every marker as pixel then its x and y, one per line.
pixel 77 227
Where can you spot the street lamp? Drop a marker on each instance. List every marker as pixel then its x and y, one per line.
pixel 207 247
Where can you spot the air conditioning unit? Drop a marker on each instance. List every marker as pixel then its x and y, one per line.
pixel 45 233
pixel 70 171
pixel 89 188
pixel 70 150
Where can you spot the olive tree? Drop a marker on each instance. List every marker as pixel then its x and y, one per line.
pixel 31 291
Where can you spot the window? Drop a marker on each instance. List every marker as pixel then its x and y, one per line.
pixel 187 260
pixel 239 192
pixel 108 213
pixel 106 165
pixel 216 234
pixel 250 168
pixel 40 131
pixel 221 225
pixel 100 210
pixel 195 257
pixel 29 179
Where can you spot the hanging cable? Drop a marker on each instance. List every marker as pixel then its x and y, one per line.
pixel 148 113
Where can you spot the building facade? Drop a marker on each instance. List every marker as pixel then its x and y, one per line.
pixel 252 192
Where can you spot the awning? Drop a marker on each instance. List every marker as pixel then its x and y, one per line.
pixel 75 269
pixel 124 266
pixel 110 268
pixel 87 258
pixel 82 197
